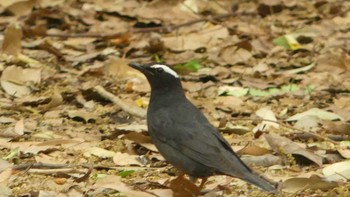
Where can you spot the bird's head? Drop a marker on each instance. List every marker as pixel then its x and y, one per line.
pixel 160 76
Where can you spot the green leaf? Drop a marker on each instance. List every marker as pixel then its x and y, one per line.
pixel 290 88
pixel 232 91
pixel 158 59
pixel 256 92
pixel 191 66
pixel 309 89
pixel 281 41
pixel 321 114
pixel 274 91
pixel 125 173
pixel 345 144
pixel 100 176
pixel 287 41
pixel 13 153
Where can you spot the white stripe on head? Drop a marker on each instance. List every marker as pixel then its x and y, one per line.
pixel 166 69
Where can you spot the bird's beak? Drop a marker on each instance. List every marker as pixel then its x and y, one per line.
pixel 140 68
pixel 137 66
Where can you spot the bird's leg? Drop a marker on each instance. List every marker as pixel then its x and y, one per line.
pixel 180 174
pixel 193 179
pixel 204 180
pixel 202 183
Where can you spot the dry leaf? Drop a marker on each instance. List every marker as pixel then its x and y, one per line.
pixel 267 114
pixel 142 140
pixel 182 187
pixel 252 149
pixel 14 89
pixel 5 175
pixel 12 41
pixel 279 143
pixel 99 152
pixel 4 165
pixel 266 160
pixel 295 185
pixel 337 171
pixel 56 100
pixel 114 182
pixel 86 116
pixel 22 7
pixel 14 80
pixel 205 38
pixel 124 159
pixel 19 127
pixel 132 127
pixel 233 55
pixel 117 67
pixel 321 114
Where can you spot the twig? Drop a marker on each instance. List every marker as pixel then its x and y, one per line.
pixel 39 165
pixel 53 171
pixel 9 135
pixel 121 167
pixel 131 109
pixel 66 166
pixel 167 28
pixel 289 127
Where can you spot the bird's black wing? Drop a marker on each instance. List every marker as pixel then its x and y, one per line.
pixel 192 135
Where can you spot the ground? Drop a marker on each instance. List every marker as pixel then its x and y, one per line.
pixel 272 76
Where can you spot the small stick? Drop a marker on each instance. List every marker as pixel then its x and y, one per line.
pixel 289 127
pixel 131 109
pixel 53 171
pixel 39 165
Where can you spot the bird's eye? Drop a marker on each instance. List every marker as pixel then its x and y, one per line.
pixel 159 70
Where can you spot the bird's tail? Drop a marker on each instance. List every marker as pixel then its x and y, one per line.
pixel 260 181
pixel 240 170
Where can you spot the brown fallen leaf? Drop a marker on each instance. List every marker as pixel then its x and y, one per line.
pixel 138 128
pixel 5 175
pixel 16 80
pixel 205 38
pixel 117 67
pixel 339 171
pixel 22 7
pixel 86 116
pixel 267 114
pixel 99 152
pixel 344 152
pixel 315 182
pixel 4 165
pixel 233 55
pixel 56 100
pixel 60 181
pixel 125 159
pixel 141 139
pixel 114 182
pixel 183 187
pixel 19 127
pixel 162 192
pixel 35 147
pixel 252 149
pixel 12 40
pixel 279 143
pixel 266 160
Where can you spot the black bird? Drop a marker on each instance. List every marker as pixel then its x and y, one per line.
pixel 184 136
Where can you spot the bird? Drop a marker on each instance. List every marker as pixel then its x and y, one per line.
pixel 185 137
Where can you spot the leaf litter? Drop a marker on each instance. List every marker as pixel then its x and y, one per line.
pixel 71 109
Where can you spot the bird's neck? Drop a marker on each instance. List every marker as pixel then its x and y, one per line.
pixel 166 94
